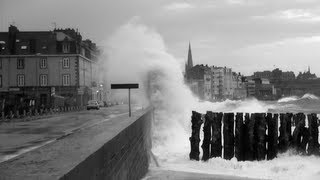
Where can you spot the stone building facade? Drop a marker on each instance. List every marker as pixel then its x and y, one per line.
pixel 47 68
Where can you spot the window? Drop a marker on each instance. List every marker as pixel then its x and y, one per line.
pixel 43 63
pixel 43 80
pixel 20 79
pixel 20 63
pixel 0 81
pixel 66 80
pixel 2 46
pixel 65 62
pixel 24 47
pixel 65 47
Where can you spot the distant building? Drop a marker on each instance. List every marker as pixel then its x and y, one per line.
pixel 208 84
pixel 217 82
pixel 223 82
pixel 250 87
pixel 306 75
pixel 227 84
pixel 275 76
pixel 263 89
pixel 263 74
pixel 299 87
pixel 198 78
pixel 213 83
pixel 43 66
pixel 239 88
pixel 189 63
pixel 199 81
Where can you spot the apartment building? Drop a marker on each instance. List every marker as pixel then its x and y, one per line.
pixel 44 67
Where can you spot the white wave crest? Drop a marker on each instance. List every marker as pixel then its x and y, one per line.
pixel 310 97
pixel 307 96
pixel 288 99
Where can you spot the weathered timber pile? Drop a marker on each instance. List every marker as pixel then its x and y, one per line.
pixel 255 136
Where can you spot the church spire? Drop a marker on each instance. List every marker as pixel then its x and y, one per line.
pixel 309 69
pixel 189 64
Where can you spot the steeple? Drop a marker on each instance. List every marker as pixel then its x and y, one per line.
pixel 309 69
pixel 189 64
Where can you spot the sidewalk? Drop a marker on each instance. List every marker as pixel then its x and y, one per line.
pixel 58 158
pixel 19 137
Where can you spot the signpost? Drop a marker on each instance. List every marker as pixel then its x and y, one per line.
pixel 126 86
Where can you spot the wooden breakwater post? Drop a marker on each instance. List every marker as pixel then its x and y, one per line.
pixel 313 145
pixel 253 136
pixel 228 136
pixel 272 123
pixel 216 140
pixel 299 122
pixel 239 139
pixel 249 136
pixel 195 136
pixel 207 136
pixel 285 132
pixel 289 127
pixel 260 128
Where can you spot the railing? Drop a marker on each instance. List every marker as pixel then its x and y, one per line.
pixel 253 136
pixel 36 113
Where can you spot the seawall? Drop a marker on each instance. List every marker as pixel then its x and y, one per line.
pixel 117 148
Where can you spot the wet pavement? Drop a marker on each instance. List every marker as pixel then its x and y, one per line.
pixel 19 137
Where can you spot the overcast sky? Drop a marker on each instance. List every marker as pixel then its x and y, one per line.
pixel 246 35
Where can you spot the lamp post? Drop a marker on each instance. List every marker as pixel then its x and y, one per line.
pixel 100 91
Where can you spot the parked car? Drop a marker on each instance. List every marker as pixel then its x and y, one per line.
pixel 101 104
pixel 105 104
pixel 93 104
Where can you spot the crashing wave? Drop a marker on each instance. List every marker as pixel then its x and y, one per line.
pixel 288 99
pixel 307 96
pixel 310 96
pixel 174 102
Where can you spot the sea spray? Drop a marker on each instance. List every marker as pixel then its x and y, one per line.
pixel 137 53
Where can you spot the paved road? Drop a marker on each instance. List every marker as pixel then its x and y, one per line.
pixel 20 137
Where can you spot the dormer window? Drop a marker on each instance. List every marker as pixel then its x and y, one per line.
pixel 66 47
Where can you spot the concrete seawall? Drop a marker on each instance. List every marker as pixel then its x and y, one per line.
pixel 117 148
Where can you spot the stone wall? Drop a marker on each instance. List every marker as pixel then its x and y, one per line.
pixel 126 156
pixel 115 148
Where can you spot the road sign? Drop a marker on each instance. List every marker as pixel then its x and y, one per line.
pixel 126 86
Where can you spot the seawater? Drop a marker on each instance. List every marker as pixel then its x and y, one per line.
pixel 137 53
pixel 172 146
